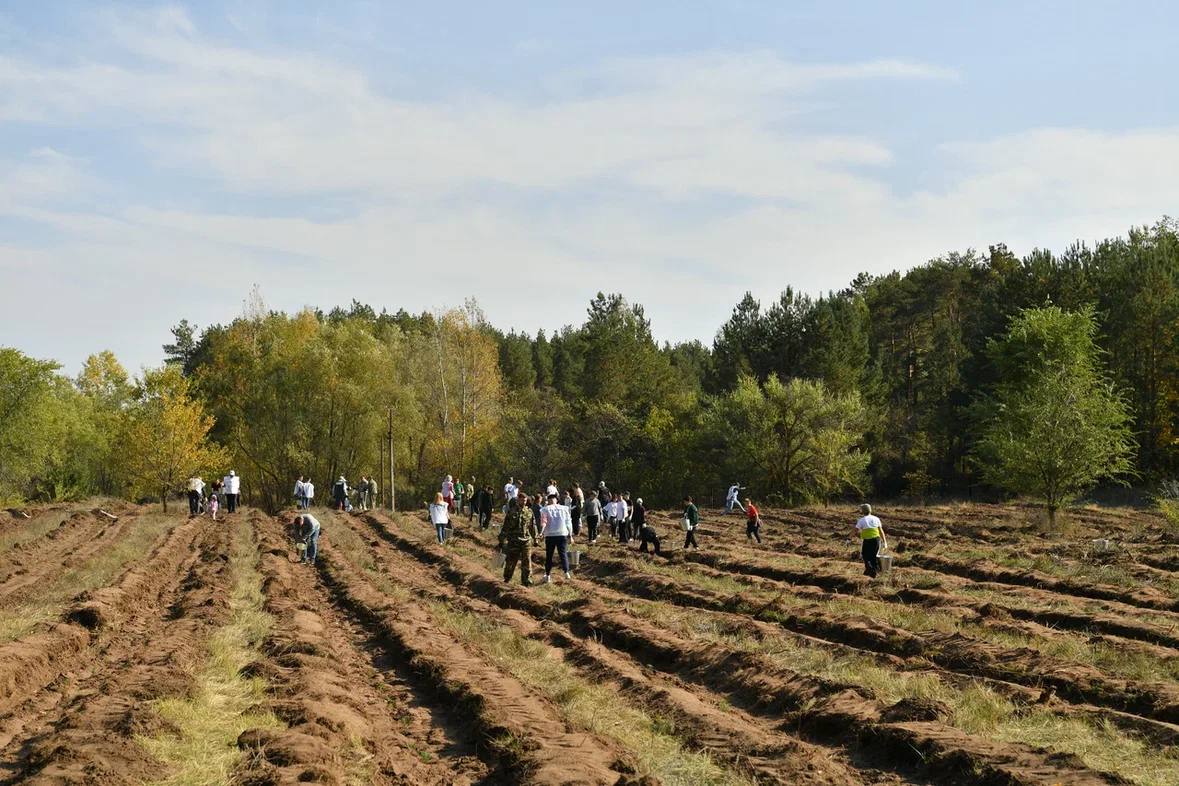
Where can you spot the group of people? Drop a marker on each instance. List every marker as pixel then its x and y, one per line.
pixel 228 488
pixel 365 493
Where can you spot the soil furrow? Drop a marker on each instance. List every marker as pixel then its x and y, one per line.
pixel 163 610
pixel 79 537
pixel 834 713
pixel 343 715
pixel 518 731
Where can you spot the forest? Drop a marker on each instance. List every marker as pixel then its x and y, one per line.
pixel 974 375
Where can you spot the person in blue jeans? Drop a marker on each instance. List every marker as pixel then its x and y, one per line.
pixel 440 516
pixel 310 532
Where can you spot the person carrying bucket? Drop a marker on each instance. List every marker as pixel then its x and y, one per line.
pixel 872 540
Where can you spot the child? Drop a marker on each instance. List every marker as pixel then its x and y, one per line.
pixel 213 506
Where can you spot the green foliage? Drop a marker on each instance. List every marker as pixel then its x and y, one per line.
pixel 1054 424
pixel 28 428
pixel 793 437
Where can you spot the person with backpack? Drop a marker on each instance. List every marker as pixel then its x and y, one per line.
pixel 752 521
pixel 515 542
pixel 872 540
pixel 691 521
pixel 301 493
pixel 440 516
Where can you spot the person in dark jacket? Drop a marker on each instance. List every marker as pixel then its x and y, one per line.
pixel 647 533
pixel 692 520
pixel 515 541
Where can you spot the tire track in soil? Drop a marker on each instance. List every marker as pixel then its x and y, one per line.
pixel 349 714
pixel 745 743
pixel 153 625
pixel 514 726
pixel 824 711
pixel 80 536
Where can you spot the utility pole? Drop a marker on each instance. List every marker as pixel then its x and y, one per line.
pixel 379 501
pixel 392 480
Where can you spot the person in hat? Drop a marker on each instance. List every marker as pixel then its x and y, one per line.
pixel 871 534
pixel 232 486
pixel 340 493
pixel 647 533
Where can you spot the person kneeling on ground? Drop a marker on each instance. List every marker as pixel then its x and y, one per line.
pixel 440 516
pixel 555 519
pixel 647 533
pixel 515 542
pixel 871 533
pixel 309 528
pixel 752 521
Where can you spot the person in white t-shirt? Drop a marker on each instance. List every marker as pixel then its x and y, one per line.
pixel 440 516
pixel 301 493
pixel 196 488
pixel 308 494
pixel 557 527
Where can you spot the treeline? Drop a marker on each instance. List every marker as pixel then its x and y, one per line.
pixel 892 387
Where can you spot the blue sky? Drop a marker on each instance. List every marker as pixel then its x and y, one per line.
pixel 156 161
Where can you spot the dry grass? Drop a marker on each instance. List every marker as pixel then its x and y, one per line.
pixel 23 531
pixel 33 606
pixel 203 750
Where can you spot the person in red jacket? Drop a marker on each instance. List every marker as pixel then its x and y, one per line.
pixel 752 521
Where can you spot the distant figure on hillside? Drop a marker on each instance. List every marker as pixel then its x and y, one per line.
pixel 731 500
pixel 440 516
pixel 309 529
pixel 362 493
pixel 482 504
pixel 752 521
pixel 232 485
pixel 691 521
pixel 554 519
pixel 470 496
pixel 459 490
pixel 574 504
pixel 638 518
pixel 510 490
pixel 196 487
pixel 871 534
pixel 551 489
pixel 301 493
pixel 515 542
pixel 214 504
pixel 308 493
pixel 448 492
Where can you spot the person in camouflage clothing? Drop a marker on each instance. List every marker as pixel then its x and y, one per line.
pixel 515 541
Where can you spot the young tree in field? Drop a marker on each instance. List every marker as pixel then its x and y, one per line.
pixel 164 438
pixel 1054 424
pixel 796 435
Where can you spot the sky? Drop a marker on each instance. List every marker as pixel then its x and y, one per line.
pixel 158 161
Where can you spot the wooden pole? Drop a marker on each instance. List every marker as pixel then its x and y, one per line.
pixel 392 479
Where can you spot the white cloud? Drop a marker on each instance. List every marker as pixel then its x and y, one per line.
pixel 597 185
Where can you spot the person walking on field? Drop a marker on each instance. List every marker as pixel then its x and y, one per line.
pixel 214 504
pixel 196 487
pixel 232 485
pixel 309 528
pixel 593 515
pixel 457 505
pixel 483 504
pixel 471 492
pixel 515 542
pixel 362 493
pixel 555 519
pixel 448 492
pixel 440 516
pixel 575 503
pixel 731 500
pixel 647 533
pixel 871 534
pixel 752 521
pixel 691 521
pixel 308 494
pixel 340 493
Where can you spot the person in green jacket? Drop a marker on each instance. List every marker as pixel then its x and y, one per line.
pixel 692 517
pixel 515 541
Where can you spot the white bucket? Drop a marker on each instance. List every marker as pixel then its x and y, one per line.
pixel 447 532
pixel 1101 544
pixel 686 524
pixel 497 562
pixel 574 558
pixel 885 563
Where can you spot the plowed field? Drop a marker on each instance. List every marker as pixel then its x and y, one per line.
pixel 162 649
